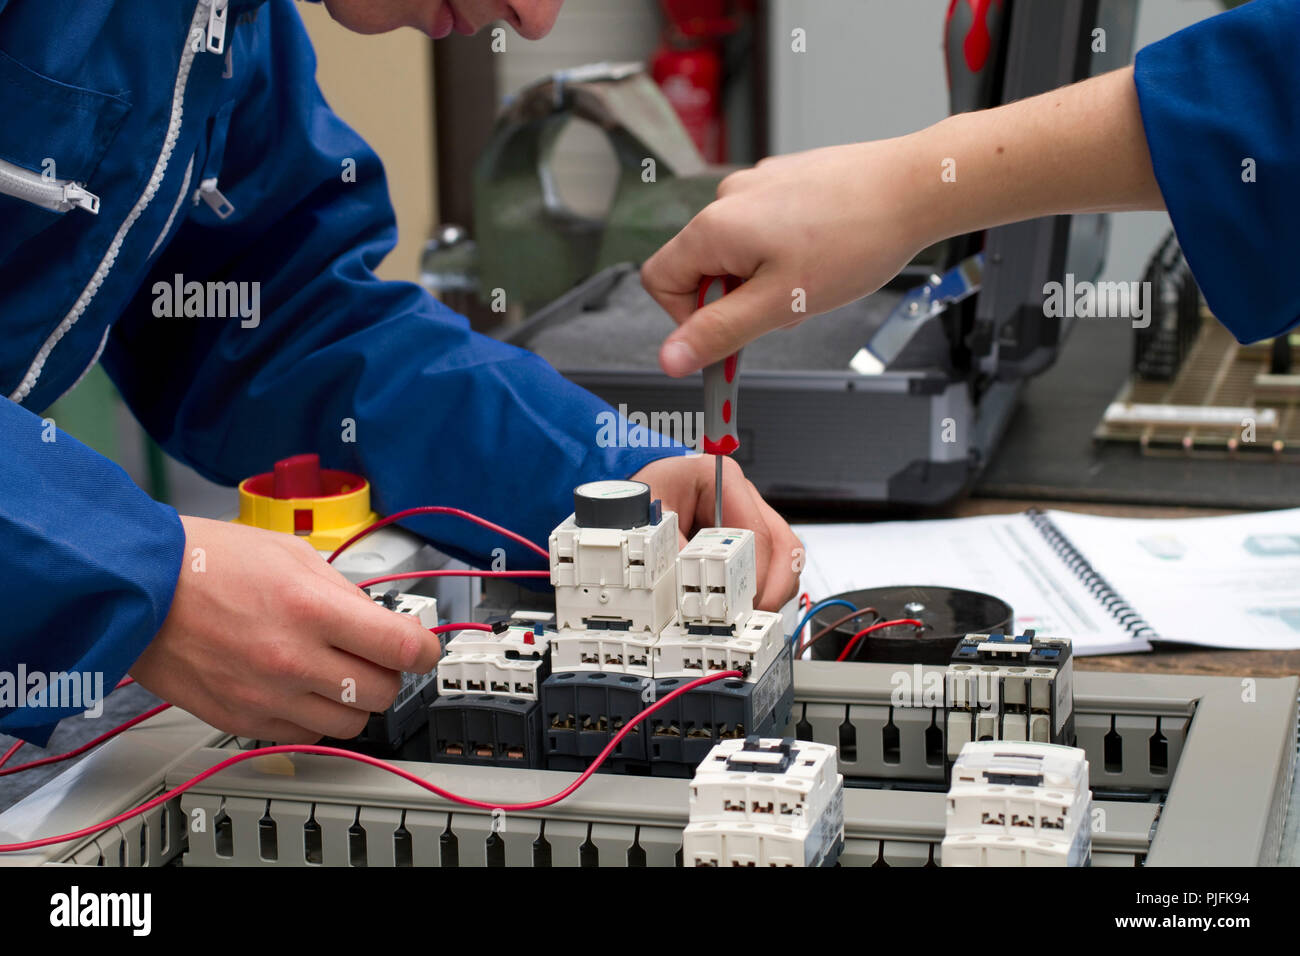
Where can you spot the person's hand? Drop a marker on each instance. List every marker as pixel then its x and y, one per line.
pixel 685 484
pixel 266 640
pixel 816 230
pixel 809 232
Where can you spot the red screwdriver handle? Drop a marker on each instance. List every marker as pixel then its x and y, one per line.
pixel 721 380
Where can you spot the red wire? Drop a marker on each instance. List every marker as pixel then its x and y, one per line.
pixel 4 759
pixel 382 765
pixel 55 758
pixel 18 745
pixel 438 510
pixel 408 575
pixel 853 641
pixel 444 628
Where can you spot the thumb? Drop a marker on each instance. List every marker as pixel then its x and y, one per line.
pixel 723 326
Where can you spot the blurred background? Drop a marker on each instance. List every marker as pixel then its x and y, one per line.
pixel 874 68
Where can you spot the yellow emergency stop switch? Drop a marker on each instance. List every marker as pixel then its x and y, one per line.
pixel 324 505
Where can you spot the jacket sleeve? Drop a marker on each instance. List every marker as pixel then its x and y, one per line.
pixel 377 377
pixel 1220 103
pixel 89 564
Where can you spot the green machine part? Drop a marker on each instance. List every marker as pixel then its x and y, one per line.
pixel 529 243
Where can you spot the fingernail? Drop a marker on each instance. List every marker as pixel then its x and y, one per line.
pixel 678 358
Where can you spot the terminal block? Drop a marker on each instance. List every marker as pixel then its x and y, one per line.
pixel 1018 804
pixel 583 710
pixel 1004 687
pixel 618 579
pixel 386 732
pixel 513 659
pixel 752 649
pixel 486 730
pixel 609 651
pixel 766 801
pixel 716 581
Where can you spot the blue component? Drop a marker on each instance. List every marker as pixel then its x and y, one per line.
pixel 656 511
pixel 829 602
pixel 538 629
pixel 1048 652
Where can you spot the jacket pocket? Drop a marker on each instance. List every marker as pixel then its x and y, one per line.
pixel 209 190
pixel 52 140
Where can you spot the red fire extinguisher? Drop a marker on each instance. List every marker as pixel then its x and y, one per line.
pixel 688 66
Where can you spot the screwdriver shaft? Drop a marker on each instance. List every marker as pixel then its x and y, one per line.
pixel 717 491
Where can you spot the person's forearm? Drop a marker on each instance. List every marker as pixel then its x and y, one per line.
pixel 1077 149
pixel 836 224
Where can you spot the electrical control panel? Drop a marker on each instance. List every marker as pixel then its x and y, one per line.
pixel 766 801
pixel 1005 687
pixel 1018 793
pixel 635 618
pixel 1018 804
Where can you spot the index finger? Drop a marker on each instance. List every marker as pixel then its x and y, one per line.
pixel 395 641
pixel 673 274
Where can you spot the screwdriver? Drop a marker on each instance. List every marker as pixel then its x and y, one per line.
pixel 721 390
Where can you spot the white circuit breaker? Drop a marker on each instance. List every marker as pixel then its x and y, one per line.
pixel 628 602
pixel 1018 804
pixel 615 577
pixel 766 802
pixel 716 580
pixel 511 661
pixel 419 606
pixel 757 643
pixel 406 711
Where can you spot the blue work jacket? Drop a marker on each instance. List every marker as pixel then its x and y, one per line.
pixel 1220 103
pixel 225 167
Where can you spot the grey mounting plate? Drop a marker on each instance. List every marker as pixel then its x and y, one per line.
pixel 1211 790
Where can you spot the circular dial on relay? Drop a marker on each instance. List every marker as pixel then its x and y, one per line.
pixel 611 504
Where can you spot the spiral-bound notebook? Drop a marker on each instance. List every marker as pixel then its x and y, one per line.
pixel 1112 584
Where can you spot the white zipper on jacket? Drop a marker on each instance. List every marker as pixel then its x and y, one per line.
pixel 155 181
pixel 57 195
pixel 217 26
pixel 216 201
pixel 176 207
